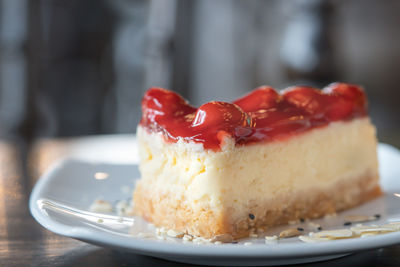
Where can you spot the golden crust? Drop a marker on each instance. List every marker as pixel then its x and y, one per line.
pixel 167 210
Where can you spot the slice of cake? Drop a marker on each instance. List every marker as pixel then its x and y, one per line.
pixel 225 169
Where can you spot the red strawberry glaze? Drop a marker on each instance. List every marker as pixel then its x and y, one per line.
pixel 260 116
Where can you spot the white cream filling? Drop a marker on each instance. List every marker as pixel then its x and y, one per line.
pixel 238 175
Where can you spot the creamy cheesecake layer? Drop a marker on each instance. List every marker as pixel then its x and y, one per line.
pixel 228 185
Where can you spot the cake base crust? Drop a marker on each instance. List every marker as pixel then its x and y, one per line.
pixel 165 209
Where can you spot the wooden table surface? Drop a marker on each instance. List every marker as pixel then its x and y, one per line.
pixel 23 242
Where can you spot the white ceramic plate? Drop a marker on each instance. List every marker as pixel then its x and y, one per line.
pixel 61 198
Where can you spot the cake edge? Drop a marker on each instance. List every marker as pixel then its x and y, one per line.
pixel 172 213
pixel 167 210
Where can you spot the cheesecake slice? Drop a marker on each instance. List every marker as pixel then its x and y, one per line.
pixel 225 169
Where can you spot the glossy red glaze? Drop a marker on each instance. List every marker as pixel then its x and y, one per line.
pixel 262 115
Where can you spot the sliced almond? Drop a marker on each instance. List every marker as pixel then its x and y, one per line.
pixel 271 238
pixel 369 234
pixel 394 225
pixel 291 232
pixel 359 230
pixel 334 234
pixel 354 232
pixel 224 238
pixel 173 233
pixel 187 238
pixel 310 239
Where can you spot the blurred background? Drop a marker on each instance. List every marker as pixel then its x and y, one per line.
pixel 74 71
pixel 73 68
